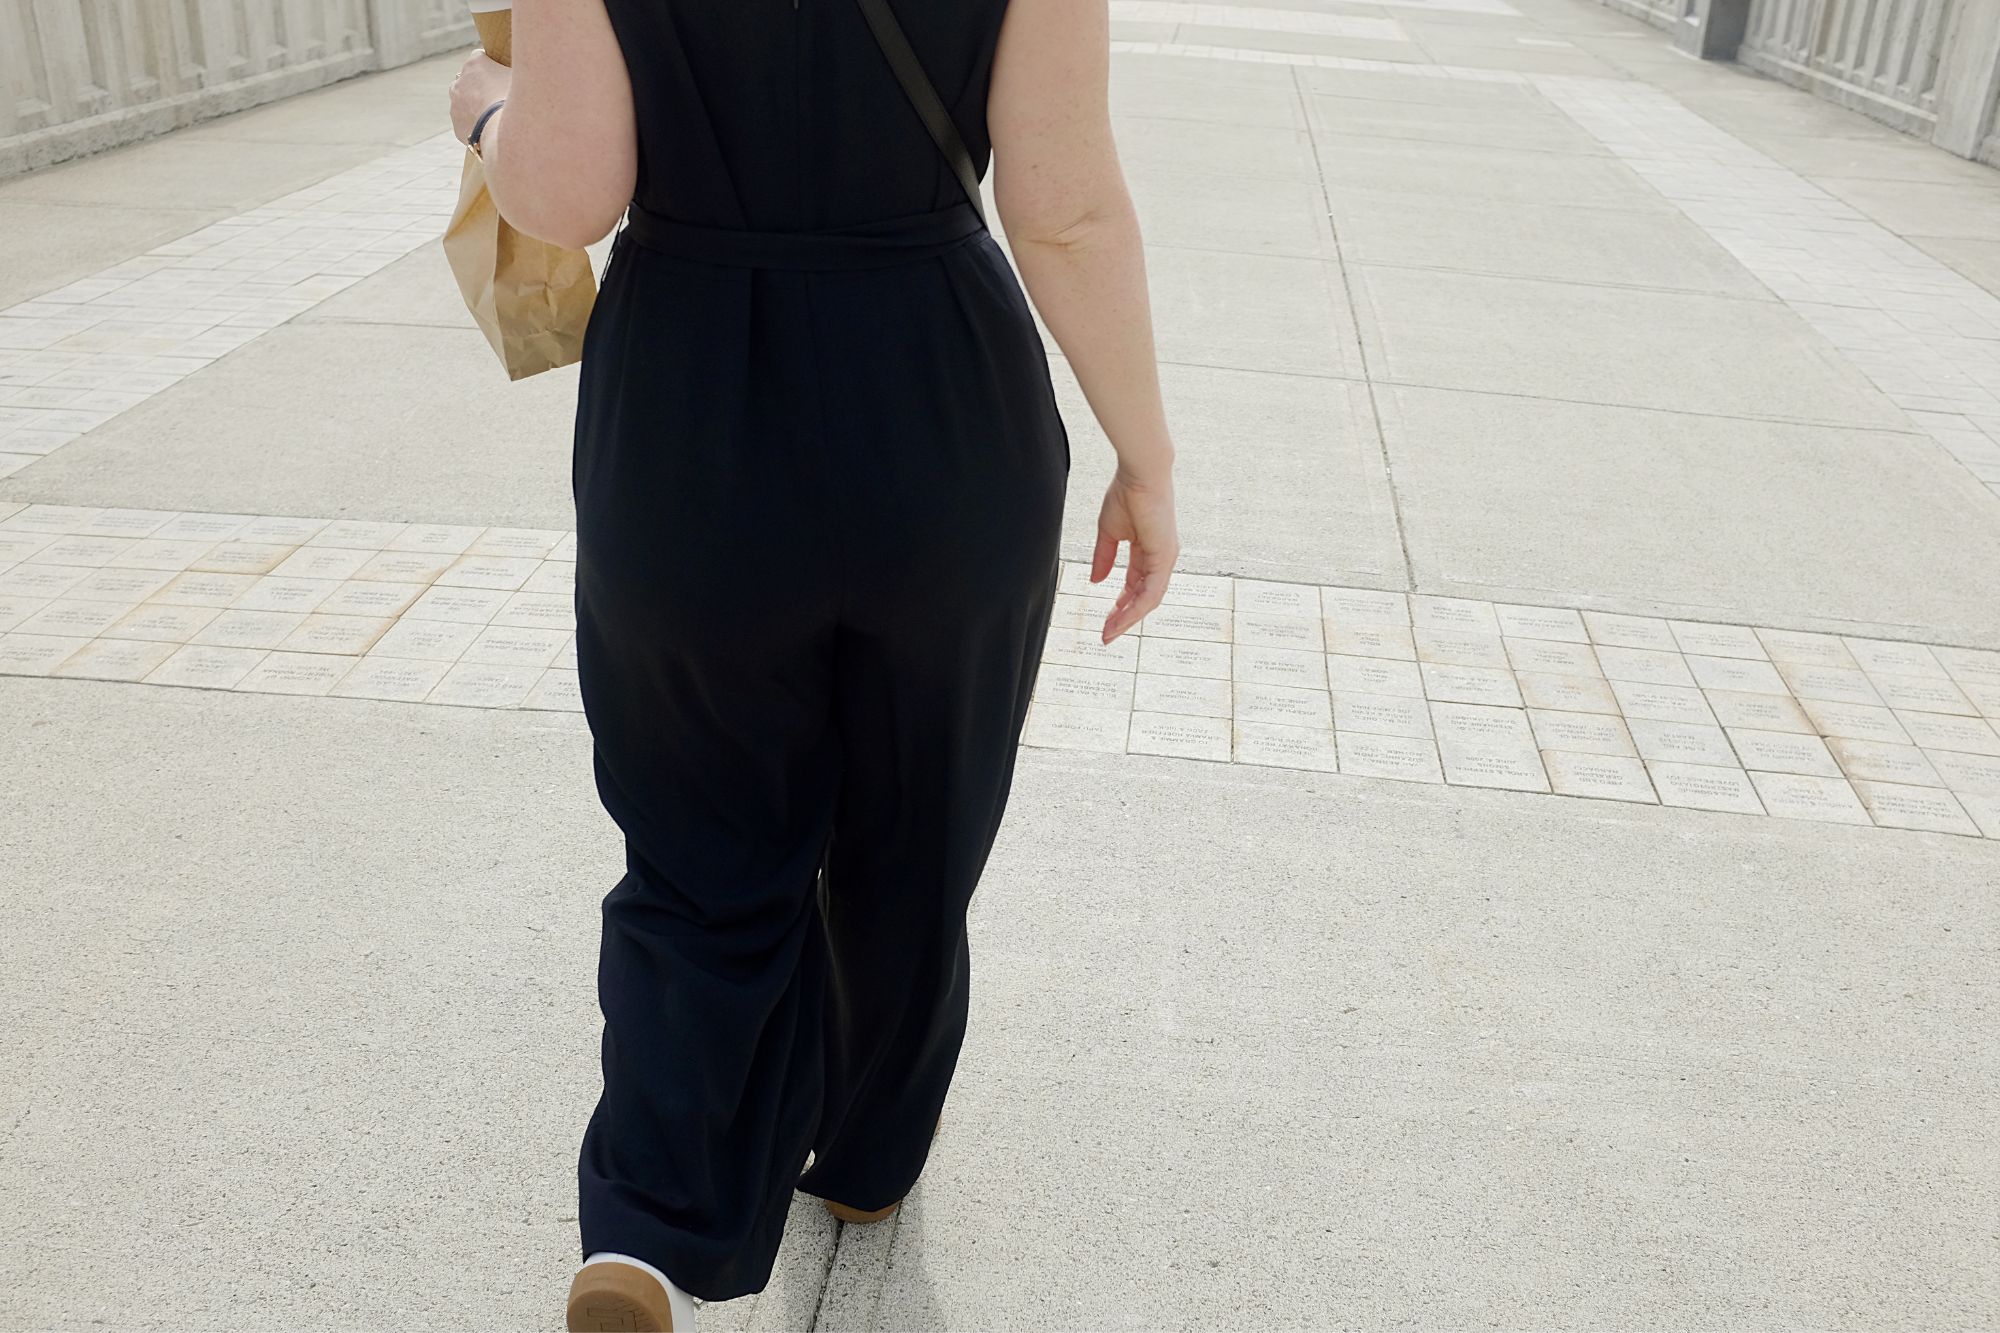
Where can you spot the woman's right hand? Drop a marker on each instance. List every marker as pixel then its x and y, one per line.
pixel 1138 511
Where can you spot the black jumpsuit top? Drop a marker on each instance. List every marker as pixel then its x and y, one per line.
pixel 819 476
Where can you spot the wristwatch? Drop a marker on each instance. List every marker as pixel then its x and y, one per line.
pixel 479 128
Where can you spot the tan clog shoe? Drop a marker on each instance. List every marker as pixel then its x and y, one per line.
pixel 618 1298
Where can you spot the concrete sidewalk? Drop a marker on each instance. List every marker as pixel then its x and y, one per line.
pixel 1540 872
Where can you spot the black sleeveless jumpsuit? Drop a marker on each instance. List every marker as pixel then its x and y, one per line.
pixel 819 477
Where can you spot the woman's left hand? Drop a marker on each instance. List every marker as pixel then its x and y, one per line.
pixel 481 82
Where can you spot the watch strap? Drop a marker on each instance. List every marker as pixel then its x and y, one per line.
pixel 479 126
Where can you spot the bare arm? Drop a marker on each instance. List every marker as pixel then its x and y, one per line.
pixel 1075 236
pixel 562 156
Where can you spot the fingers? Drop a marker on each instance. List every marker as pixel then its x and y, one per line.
pixel 1143 521
pixel 1135 599
pixel 1122 617
pixel 1125 613
pixel 1104 557
pixel 1146 578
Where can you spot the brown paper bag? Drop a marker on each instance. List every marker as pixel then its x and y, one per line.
pixel 530 298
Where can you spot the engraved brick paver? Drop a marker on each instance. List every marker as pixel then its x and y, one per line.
pixel 1776 727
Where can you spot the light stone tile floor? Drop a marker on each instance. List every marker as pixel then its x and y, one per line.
pixel 73 358
pixel 1266 20
pixel 1928 337
pixel 1342 680
pixel 1318 60
pixel 1922 333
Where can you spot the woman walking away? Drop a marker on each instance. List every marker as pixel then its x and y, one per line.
pixel 819 478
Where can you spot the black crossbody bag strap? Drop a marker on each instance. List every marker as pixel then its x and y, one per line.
pixel 923 96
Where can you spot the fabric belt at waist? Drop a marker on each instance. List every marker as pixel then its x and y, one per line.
pixel 866 245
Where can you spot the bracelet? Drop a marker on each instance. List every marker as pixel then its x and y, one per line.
pixel 479 127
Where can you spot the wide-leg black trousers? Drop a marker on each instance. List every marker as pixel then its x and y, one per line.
pixel 818 513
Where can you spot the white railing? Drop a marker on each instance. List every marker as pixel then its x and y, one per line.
pixel 80 75
pixel 1879 56
pixel 1927 67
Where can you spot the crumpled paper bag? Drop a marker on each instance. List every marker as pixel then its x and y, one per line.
pixel 531 299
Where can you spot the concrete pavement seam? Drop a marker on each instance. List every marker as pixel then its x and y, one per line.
pixel 1361 344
